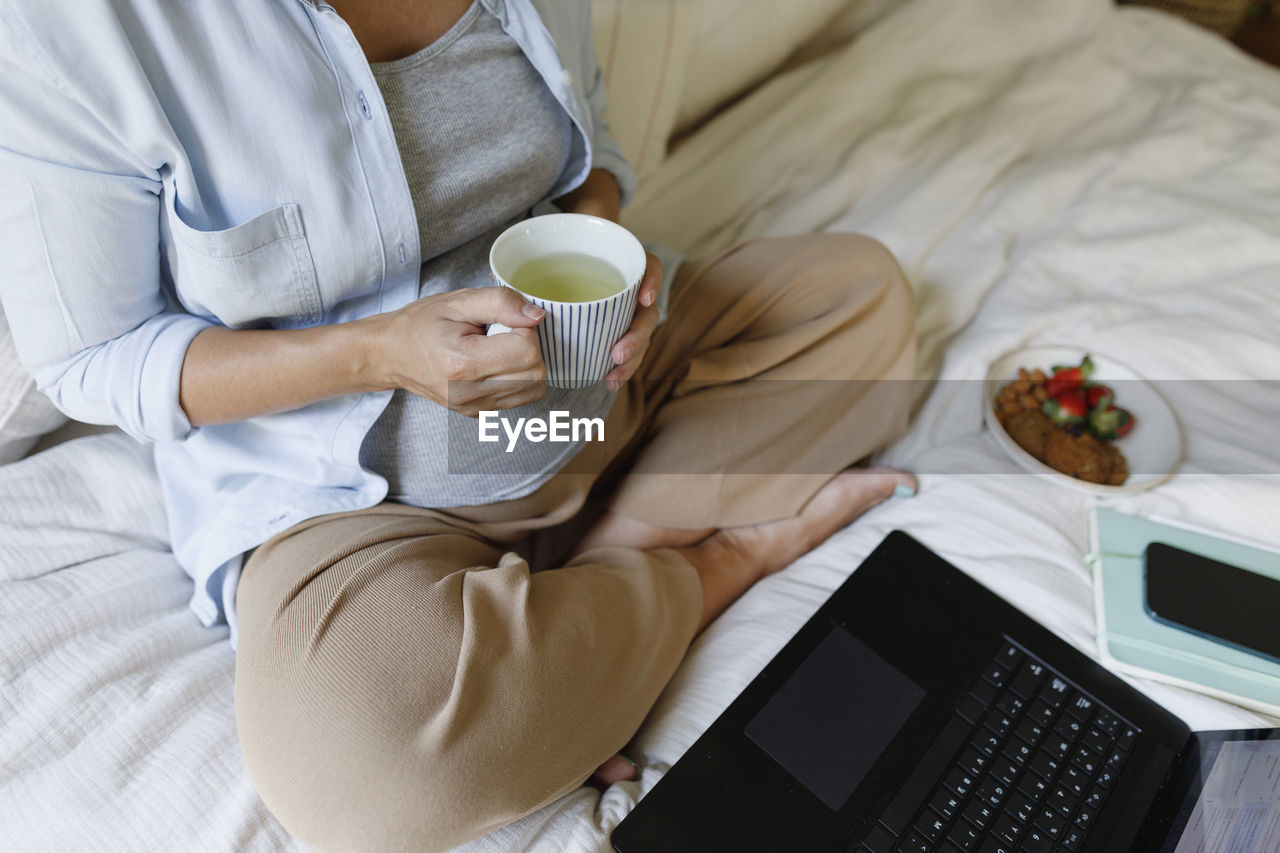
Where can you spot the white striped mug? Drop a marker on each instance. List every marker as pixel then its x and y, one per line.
pixel 575 338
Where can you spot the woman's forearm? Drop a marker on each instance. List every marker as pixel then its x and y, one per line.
pixel 434 347
pixel 231 375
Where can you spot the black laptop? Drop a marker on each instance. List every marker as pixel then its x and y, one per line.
pixel 918 711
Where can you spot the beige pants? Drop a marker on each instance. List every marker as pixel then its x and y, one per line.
pixel 404 681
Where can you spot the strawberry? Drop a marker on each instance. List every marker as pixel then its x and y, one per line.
pixel 1069 407
pixel 1100 396
pixel 1111 423
pixel 1068 378
pixel 1126 424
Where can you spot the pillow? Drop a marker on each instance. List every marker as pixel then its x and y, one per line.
pixel 643 47
pixel 25 413
pixel 741 42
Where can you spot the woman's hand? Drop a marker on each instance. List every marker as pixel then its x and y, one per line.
pixel 630 349
pixel 436 348
pixel 599 196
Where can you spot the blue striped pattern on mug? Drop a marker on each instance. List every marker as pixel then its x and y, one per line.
pixel 575 338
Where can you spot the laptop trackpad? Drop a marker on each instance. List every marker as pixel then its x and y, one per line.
pixel 834 716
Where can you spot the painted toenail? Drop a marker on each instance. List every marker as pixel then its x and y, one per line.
pixel 902 491
pixel 634 766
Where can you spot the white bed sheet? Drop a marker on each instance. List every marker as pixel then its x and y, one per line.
pixel 1046 172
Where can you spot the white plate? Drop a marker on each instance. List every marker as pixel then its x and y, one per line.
pixel 1154 448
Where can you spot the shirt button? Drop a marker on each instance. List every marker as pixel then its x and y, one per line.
pixel 363 102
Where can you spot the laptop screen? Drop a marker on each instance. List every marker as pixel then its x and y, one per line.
pixel 1236 806
pixel 833 717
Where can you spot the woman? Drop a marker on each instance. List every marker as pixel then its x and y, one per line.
pixel 256 236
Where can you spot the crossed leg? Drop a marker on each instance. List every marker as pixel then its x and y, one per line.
pixel 404 681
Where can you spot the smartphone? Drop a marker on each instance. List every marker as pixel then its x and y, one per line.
pixel 1213 599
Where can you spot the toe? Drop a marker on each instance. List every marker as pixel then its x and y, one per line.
pixel 882 483
pixel 897 475
pixel 618 768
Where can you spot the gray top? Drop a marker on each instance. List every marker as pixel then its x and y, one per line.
pixel 482 141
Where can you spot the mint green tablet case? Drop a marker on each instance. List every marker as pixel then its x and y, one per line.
pixel 1130 638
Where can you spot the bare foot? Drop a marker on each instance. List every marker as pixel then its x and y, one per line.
pixel 612 529
pixel 730 561
pixel 775 545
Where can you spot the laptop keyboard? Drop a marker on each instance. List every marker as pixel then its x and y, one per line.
pixel 1025 764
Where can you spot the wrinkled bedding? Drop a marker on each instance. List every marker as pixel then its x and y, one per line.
pixel 1046 173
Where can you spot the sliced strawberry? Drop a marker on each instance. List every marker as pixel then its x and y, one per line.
pixel 1110 423
pixel 1065 379
pixel 1085 367
pixel 1126 425
pixel 1069 407
pixel 1068 378
pixel 1100 396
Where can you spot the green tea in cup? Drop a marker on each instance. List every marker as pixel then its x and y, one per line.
pixel 583 271
pixel 568 277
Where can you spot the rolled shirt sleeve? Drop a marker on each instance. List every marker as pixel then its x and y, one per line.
pixel 80 269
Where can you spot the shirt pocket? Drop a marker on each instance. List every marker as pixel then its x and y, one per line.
pixel 256 274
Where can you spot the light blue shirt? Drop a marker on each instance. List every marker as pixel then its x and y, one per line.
pixel 167 166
